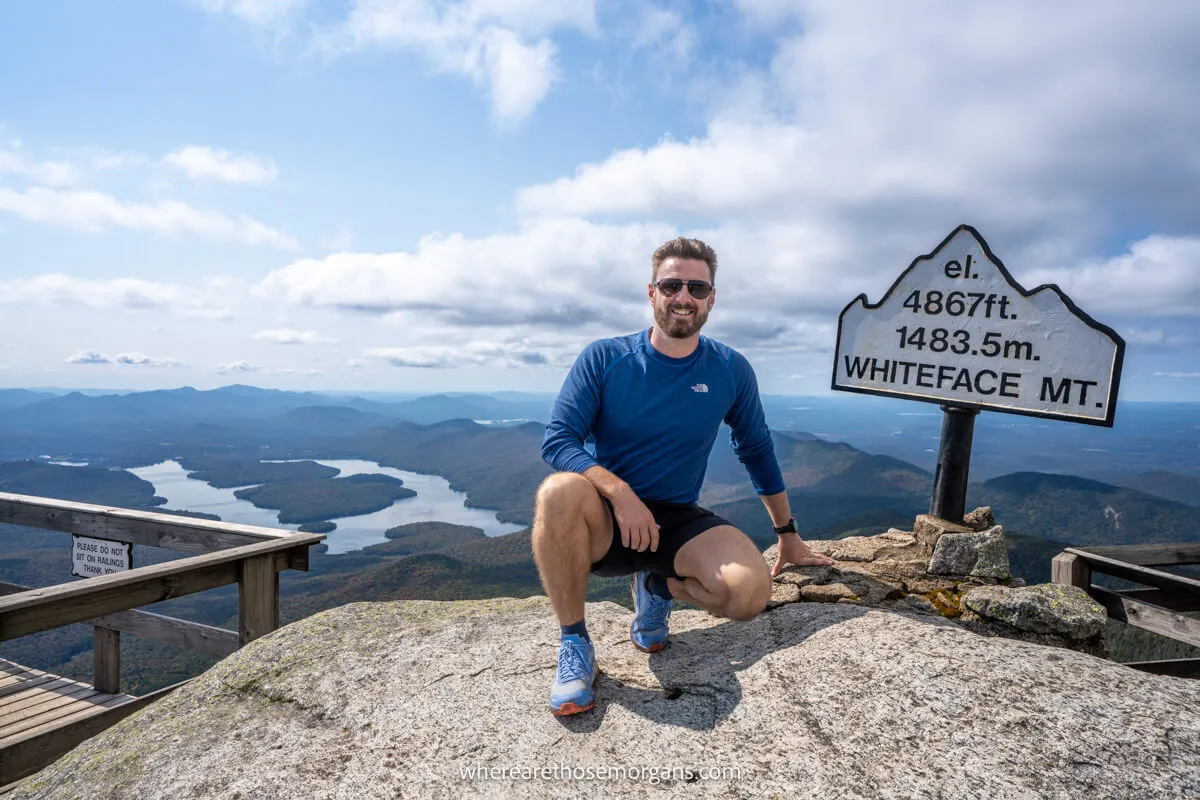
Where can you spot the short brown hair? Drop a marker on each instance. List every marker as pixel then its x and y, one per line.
pixel 682 247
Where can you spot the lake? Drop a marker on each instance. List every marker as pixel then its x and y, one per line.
pixel 435 501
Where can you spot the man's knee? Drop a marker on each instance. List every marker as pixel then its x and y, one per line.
pixel 565 501
pixel 563 490
pixel 746 591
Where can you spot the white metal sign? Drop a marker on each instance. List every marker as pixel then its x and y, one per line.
pixel 91 557
pixel 956 328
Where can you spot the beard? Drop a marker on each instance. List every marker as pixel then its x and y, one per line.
pixel 680 327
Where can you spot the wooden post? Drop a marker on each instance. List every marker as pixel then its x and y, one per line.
pixel 1070 569
pixel 106 674
pixel 258 597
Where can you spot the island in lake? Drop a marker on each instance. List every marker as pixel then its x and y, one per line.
pixel 323 499
pixel 228 473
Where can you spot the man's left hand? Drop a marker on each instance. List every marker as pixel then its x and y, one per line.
pixel 793 551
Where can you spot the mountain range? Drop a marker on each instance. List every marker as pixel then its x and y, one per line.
pixel 836 488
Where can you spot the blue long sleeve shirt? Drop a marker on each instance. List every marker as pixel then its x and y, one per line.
pixel 654 418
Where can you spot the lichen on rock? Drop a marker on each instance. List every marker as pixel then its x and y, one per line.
pixel 1043 608
pixel 983 554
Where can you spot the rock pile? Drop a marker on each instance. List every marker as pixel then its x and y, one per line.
pixel 960 572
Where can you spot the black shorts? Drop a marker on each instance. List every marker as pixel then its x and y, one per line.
pixel 679 523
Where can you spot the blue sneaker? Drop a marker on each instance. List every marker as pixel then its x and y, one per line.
pixel 650 614
pixel 572 690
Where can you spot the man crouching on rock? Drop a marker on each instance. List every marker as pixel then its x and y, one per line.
pixel 653 402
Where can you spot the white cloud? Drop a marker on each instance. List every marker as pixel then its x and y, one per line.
pixel 1143 336
pixel 52 173
pixel 237 368
pixel 200 163
pixel 258 12
pixel 88 357
pixel 666 32
pixel 93 211
pixel 771 13
pixel 503 46
pixel 72 166
pixel 291 336
pixel 735 166
pixel 877 127
pixel 121 359
pixel 517 75
pixel 142 360
pixel 1177 374
pixel 874 114
pixel 476 353
pixel 553 272
pixel 104 160
pixel 870 131
pixel 1159 276
pixel 116 294
pixel 556 284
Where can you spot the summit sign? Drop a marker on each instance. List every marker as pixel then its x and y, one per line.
pixel 956 328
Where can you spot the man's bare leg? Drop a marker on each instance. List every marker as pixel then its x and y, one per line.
pixel 724 573
pixel 571 530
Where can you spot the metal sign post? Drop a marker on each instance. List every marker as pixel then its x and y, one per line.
pixel 956 329
pixel 954 463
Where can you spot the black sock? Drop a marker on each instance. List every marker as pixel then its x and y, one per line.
pixel 575 629
pixel 657 584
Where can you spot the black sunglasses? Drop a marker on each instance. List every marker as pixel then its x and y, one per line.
pixel 697 289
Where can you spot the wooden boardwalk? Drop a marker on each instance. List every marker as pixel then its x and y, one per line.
pixel 33 702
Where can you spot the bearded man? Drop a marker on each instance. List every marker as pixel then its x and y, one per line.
pixel 653 402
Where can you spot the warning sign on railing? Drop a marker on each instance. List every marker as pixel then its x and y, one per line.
pixel 93 557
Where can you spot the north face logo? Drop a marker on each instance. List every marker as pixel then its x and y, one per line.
pixel 700 387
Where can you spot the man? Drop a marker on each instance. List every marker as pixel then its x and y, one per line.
pixel 653 402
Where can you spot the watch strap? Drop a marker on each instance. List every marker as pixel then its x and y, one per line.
pixel 789 527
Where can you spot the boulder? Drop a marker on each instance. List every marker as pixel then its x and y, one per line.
pixel 422 699
pixel 893 544
pixel 1048 608
pixel 828 592
pixel 871 582
pixel 982 554
pixel 980 519
pixel 800 576
pixel 783 593
pixel 928 529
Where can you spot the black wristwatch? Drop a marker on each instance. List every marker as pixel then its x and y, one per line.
pixel 790 527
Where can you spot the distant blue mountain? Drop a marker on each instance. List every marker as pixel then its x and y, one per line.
pixel 1081 511
pixel 30 412
pixel 14 398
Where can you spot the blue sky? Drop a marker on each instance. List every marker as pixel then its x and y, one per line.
pixel 411 195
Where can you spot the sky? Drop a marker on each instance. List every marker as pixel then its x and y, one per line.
pixel 458 195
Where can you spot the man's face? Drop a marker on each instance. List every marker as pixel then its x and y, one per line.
pixel 681 316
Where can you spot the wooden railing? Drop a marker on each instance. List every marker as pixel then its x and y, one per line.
pixel 222 554
pixel 1158 606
